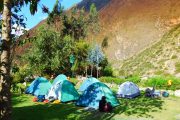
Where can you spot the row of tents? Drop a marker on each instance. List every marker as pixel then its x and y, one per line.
pixel 88 95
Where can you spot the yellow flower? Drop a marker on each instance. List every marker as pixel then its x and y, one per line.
pixel 169 82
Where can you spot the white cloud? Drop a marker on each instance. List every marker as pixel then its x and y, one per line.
pixel 42 17
pixel 19 30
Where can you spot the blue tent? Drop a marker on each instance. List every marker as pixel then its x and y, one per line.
pixel 60 77
pixel 40 86
pixel 128 90
pixel 93 94
pixel 87 83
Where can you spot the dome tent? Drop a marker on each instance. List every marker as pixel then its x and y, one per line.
pixel 128 90
pixel 93 94
pixel 59 78
pixel 63 90
pixel 87 83
pixel 40 86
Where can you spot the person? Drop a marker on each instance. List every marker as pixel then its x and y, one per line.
pixel 24 83
pixel 108 107
pixel 102 104
pixel 52 76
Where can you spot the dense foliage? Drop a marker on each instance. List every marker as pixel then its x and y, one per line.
pixel 51 49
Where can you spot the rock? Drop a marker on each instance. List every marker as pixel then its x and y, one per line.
pixel 178 75
pixel 177 117
pixel 177 93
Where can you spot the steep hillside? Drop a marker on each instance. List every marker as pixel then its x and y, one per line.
pixel 161 58
pixel 133 25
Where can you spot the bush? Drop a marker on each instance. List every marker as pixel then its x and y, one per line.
pixel 177 65
pixel 135 79
pixel 112 80
pixel 18 88
pixel 19 76
pixel 161 82
pixel 174 57
pixel 107 71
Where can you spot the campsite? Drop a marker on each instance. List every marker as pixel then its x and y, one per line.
pixel 90 60
pixel 133 106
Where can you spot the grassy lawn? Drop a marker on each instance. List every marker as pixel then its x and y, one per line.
pixel 140 108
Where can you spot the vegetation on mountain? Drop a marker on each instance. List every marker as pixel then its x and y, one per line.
pixel 162 58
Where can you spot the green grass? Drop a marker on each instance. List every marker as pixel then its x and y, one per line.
pixel 138 108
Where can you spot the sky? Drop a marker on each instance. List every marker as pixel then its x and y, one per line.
pixel 39 16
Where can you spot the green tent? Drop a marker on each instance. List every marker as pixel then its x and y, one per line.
pixel 64 91
pixel 60 77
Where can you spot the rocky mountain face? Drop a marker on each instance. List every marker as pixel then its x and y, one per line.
pixel 134 25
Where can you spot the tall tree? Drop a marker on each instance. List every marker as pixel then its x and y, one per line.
pixel 75 24
pixel 5 81
pixel 95 56
pixel 5 109
pixel 55 14
pixel 49 52
pixel 93 21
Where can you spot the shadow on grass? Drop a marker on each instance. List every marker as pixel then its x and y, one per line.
pixel 139 106
pixel 20 98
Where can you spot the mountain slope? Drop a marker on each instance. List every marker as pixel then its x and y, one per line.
pixel 161 58
pixel 133 25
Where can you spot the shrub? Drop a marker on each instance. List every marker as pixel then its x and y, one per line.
pixel 111 80
pixel 107 71
pixel 161 82
pixel 18 88
pixel 177 65
pixel 19 76
pixel 174 57
pixel 159 72
pixel 115 72
pixel 157 81
pixel 122 72
pixel 134 78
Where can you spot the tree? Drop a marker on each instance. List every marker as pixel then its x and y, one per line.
pixel 75 24
pixel 81 52
pixel 5 81
pixel 49 52
pixel 56 12
pixel 95 56
pixel 61 44
pixel 0 27
pixel 93 21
